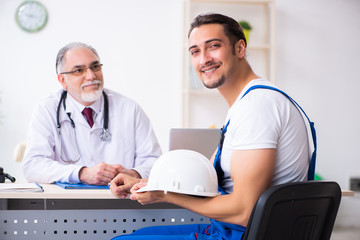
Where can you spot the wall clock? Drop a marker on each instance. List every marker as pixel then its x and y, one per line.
pixel 31 16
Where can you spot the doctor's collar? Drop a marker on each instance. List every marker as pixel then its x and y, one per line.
pixel 76 106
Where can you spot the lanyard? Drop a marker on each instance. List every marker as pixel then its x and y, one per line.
pixel 311 171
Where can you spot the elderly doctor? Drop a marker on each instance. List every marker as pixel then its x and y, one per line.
pixel 68 143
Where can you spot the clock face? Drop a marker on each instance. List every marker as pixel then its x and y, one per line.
pixel 31 16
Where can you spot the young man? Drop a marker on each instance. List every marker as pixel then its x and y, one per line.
pixel 265 144
pixel 67 145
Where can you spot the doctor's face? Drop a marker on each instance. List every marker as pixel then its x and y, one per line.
pixel 87 87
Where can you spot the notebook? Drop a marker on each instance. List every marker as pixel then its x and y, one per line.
pixel 202 140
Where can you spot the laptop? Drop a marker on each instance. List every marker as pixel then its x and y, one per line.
pixel 202 140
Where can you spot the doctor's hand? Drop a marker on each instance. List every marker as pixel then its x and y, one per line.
pixel 130 172
pixel 148 197
pixel 120 186
pixel 100 174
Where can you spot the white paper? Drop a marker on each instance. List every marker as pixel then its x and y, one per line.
pixel 20 187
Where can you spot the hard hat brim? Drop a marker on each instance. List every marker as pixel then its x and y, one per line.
pixel 201 194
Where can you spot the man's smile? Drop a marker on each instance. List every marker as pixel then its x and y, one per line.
pixel 210 69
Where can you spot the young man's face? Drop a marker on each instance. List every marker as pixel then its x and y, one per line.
pixel 87 87
pixel 212 55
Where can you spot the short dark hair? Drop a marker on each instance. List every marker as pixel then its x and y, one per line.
pixel 231 27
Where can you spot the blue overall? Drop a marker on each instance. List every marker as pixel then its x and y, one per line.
pixel 215 230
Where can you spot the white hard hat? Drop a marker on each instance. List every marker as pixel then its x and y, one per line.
pixel 183 171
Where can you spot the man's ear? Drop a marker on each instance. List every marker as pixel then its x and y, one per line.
pixel 61 79
pixel 240 48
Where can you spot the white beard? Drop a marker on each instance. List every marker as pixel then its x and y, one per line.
pixel 86 97
pixel 93 96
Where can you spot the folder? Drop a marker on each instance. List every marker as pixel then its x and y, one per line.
pixel 81 186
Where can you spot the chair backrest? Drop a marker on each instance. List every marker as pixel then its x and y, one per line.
pixel 19 151
pixel 301 210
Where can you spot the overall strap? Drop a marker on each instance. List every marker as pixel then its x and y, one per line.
pixel 219 171
pixel 311 171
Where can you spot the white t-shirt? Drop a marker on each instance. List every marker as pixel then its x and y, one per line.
pixel 267 119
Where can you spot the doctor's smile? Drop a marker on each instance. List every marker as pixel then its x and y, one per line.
pixel 95 84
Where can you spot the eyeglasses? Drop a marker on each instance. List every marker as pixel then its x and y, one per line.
pixel 81 70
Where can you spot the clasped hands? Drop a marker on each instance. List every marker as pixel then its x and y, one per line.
pixel 123 184
pixel 102 173
pixel 122 181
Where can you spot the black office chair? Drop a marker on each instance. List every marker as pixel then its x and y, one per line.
pixel 295 211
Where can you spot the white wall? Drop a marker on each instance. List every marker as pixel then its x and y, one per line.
pixel 318 64
pixel 140 45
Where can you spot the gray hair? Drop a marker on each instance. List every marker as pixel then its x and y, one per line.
pixel 60 60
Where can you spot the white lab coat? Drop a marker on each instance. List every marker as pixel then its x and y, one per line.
pixel 133 144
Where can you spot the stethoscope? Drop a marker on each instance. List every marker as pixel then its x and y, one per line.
pixel 105 135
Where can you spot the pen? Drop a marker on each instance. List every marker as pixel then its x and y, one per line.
pixel 39 186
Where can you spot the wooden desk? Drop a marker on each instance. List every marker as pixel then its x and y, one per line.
pixel 347 193
pixel 59 213
pixel 52 191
